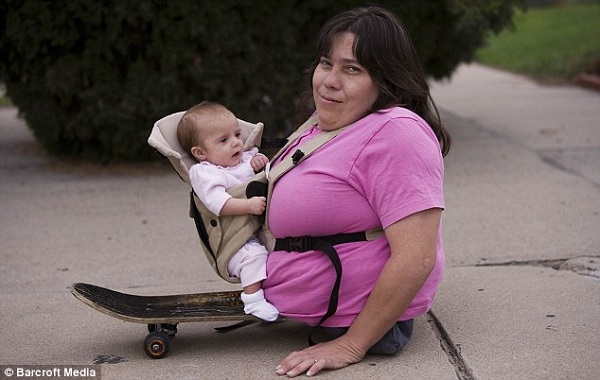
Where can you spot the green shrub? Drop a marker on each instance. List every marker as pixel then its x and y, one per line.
pixel 91 77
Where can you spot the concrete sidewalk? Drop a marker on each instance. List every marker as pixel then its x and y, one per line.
pixel 523 198
pixel 521 297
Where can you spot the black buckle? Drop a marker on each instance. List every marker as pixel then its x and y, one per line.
pixel 297 156
pixel 300 244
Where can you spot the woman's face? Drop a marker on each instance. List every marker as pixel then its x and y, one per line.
pixel 343 90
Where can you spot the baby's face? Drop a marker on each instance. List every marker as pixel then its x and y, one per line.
pixel 222 144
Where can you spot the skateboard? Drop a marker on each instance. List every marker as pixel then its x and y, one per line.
pixel 163 313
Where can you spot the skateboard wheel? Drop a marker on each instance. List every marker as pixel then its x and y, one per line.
pixel 156 345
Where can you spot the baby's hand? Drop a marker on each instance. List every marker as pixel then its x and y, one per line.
pixel 258 162
pixel 257 205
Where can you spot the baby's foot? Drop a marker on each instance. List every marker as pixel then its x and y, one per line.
pixel 257 305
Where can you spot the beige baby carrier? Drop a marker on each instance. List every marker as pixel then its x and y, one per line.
pixel 221 236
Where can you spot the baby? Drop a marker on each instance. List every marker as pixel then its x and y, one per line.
pixel 210 132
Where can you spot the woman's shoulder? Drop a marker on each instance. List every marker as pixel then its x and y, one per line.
pixel 395 129
pixel 393 119
pixel 397 114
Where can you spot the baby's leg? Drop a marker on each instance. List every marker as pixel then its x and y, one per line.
pixel 250 265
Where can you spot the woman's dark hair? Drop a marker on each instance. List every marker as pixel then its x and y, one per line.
pixel 384 48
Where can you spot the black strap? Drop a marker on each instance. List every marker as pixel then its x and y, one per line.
pixel 224 329
pixel 329 250
pixel 307 243
pixel 326 245
pixel 267 142
pixel 195 213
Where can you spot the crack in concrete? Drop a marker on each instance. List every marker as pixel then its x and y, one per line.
pixel 572 161
pixel 582 265
pixel 452 350
pixel 549 263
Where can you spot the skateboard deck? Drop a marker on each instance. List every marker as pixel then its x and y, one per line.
pixel 163 313
pixel 198 307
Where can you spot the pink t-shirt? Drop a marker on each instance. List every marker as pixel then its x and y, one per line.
pixel 379 170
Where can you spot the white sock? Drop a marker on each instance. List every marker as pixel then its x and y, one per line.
pixel 257 305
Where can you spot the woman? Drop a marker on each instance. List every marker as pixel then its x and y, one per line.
pixel 384 169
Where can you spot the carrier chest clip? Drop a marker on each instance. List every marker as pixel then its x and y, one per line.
pixel 297 156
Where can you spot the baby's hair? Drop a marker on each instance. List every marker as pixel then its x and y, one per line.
pixel 196 118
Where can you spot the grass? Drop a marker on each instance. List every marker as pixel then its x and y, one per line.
pixel 549 44
pixel 5 101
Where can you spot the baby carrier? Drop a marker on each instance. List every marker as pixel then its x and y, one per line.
pixel 223 236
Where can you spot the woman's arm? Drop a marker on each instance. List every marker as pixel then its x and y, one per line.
pixel 413 256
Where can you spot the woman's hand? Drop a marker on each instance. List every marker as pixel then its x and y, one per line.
pixel 334 354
